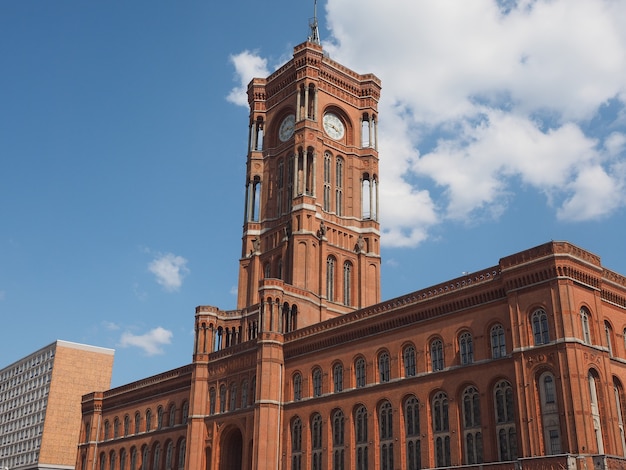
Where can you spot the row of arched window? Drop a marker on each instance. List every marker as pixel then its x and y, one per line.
pixel 233 397
pixel 589 335
pixel 151 422
pixel 333 288
pixel 406 437
pixel 146 458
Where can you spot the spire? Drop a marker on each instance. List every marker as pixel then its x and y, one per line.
pixel 314 36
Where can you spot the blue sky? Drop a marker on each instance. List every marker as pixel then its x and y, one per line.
pixel 123 131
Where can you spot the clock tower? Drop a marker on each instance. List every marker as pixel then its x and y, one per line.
pixel 311 238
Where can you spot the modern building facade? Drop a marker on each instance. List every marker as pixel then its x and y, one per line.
pixel 520 365
pixel 40 408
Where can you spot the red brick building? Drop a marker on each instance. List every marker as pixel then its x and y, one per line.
pixel 520 365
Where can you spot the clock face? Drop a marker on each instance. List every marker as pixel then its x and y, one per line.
pixel 286 128
pixel 333 126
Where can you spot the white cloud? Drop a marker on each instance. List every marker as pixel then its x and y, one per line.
pixel 248 65
pixel 481 97
pixel 110 325
pixel 169 270
pixel 151 342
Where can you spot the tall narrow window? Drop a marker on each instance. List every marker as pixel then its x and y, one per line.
pixel 233 397
pixel 408 356
pixel 126 425
pixel 297 387
pixel 244 394
pixel 330 279
pixel 540 327
pixel 608 333
pixel 222 398
pixel 317 382
pixel 618 392
pixel 296 444
pixel 472 433
pixel 212 400
pixel 412 430
pixel 498 344
pixel 466 348
pixel 169 455
pixel 441 429
pixel 338 440
pixel 327 181
pixel 347 283
pixel 133 458
pixel 137 422
pixel 383 367
pixel 148 420
pixel 123 459
pixel 505 421
pixel 280 185
pixel 172 417
pixel 436 354
pixel 360 431
pixel 181 454
pixel 385 427
pixel 145 457
pixel 359 371
pixel 584 320
pixel 112 458
pixel 339 186
pixel 316 442
pixel 595 411
pixel 116 428
pixel 337 378
pixel 549 414
pixel 156 460
pixel 185 412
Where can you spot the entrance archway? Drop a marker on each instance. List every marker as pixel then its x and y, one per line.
pixel 231 450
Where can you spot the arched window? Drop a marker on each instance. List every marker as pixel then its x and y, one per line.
pixel 267 270
pixel 317 382
pixel 185 412
pixel 222 398
pixel 244 394
pixel 595 410
pixel 116 428
pixel 360 431
pixel 137 422
pixel 338 378
pixel 330 279
pixel 181 454
pixel 233 397
pixel 212 401
pixel 608 333
pixel 327 181
pixel 472 433
pixel 383 367
pixel 339 187
pixel 296 444
pixel 112 457
pixel 408 356
pixel 618 392
pixel 347 283
pixel 385 427
pixel 103 461
pixel 412 431
pixel 156 461
pixel 540 327
pixel 584 320
pixel 466 348
pixel 338 440
pixel 316 442
pixel 549 414
pixel 505 421
pixel 126 425
pixel 498 344
pixel 145 457
pixel 436 355
pixel 172 417
pixel 169 455
pixel 107 430
pixel 160 417
pixel 441 429
pixel 297 387
pixel 148 420
pixel 123 459
pixel 133 458
pixel 359 371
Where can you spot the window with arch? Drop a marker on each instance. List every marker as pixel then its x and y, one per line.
pixel 233 397
pixel 172 418
pixel 505 421
pixel 330 279
pixel 317 382
pixel 123 459
pixel 297 387
pixel 608 333
pixel 133 458
pixel 160 417
pixel 145 457
pixel 549 414
pixel 436 354
pixel 339 186
pixel 347 283
pixel 540 327
pixel 267 270
pixel 169 455
pixel 472 432
pixel 116 428
pixel 338 440
pixel 441 429
pixel 316 442
pixel 103 461
pixel 107 430
pixel 584 320
pixel 212 399
pixel 498 343
pixel 596 418
pixel 361 440
pixel 222 398
pixel 156 460
pixel 618 394
pixel 327 181
pixel 148 420
pixel 112 457
pixel 384 374
pixel 385 427
pixel 466 348
pixel 338 378
pixel 244 394
pixel 296 444
pixel 185 412
pixel 359 371
pixel 181 454
pixel 137 422
pixel 408 357
pixel 126 425
pixel 412 432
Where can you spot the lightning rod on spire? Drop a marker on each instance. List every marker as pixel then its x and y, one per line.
pixel 314 36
